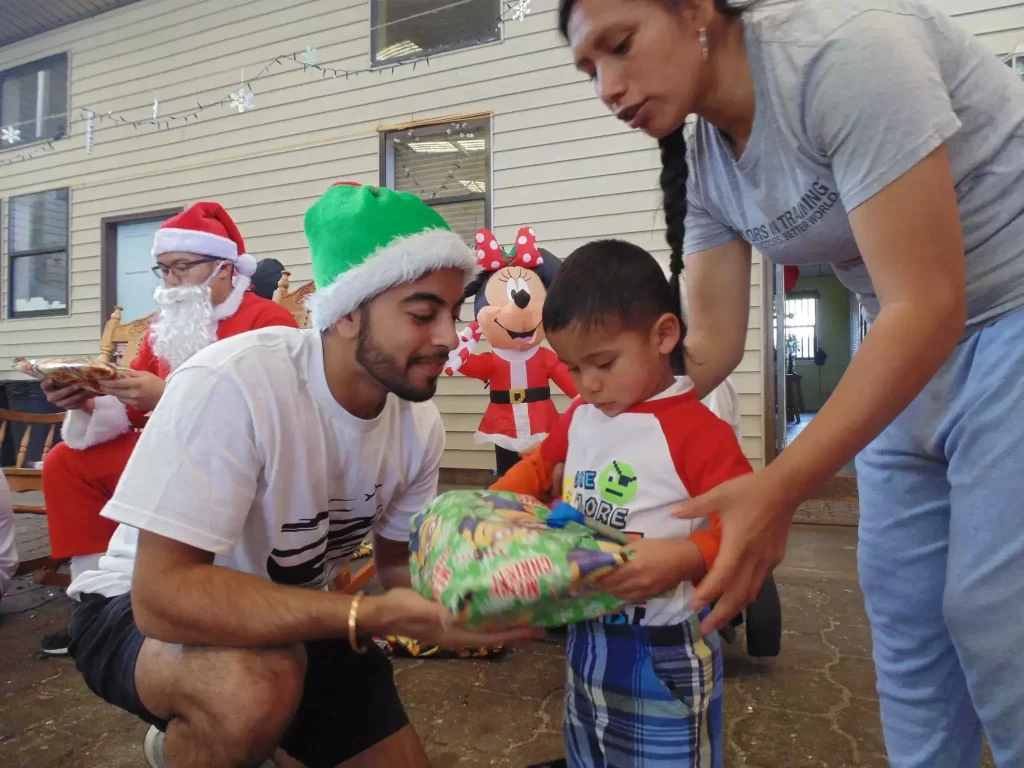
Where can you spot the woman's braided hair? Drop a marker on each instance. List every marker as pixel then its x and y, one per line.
pixel 674 174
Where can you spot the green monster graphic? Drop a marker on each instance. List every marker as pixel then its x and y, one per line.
pixel 617 483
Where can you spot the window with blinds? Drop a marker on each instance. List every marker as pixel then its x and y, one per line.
pixel 801 325
pixel 37 231
pixel 403 29
pixel 34 102
pixel 447 166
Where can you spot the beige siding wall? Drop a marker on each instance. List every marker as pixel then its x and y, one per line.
pixel 559 162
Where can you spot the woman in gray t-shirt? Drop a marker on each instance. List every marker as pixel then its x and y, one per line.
pixel 879 136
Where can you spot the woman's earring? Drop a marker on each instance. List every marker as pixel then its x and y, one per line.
pixel 703 35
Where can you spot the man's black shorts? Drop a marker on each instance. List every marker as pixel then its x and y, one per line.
pixel 349 702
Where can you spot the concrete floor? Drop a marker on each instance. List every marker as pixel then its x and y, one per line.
pixel 815 705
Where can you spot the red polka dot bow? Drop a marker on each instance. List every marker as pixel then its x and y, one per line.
pixel 491 257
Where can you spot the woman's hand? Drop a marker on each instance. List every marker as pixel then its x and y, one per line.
pixel 756 517
pixel 138 389
pixel 404 612
pixel 655 567
pixel 68 397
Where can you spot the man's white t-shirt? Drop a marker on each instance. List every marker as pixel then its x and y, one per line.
pixel 250 457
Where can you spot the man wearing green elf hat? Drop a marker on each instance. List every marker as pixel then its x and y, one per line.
pixel 268 460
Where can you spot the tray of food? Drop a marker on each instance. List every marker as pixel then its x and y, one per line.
pixel 493 558
pixel 85 372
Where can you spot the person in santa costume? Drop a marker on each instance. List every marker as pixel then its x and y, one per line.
pixel 508 298
pixel 205 296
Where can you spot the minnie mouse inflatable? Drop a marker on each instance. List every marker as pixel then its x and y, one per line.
pixel 508 300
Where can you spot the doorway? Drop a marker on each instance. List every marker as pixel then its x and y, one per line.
pixel 127 261
pixel 816 335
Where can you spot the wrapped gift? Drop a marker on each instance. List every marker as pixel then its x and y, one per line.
pixel 85 372
pixel 492 559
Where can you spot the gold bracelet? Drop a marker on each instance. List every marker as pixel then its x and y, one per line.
pixel 352 612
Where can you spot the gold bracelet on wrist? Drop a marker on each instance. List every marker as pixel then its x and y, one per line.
pixel 352 614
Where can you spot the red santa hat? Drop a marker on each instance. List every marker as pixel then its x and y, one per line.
pixel 206 229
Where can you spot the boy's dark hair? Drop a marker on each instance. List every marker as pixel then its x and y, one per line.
pixel 611 283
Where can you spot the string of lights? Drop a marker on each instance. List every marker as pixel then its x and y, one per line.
pixel 242 99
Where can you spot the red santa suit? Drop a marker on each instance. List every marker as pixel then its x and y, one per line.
pixel 80 474
pixel 521 412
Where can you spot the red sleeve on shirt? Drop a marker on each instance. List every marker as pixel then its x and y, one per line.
pixel 556 445
pixel 559 373
pixel 705 453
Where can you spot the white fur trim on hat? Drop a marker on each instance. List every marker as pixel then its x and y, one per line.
pixel 169 239
pixel 403 260
pixel 109 419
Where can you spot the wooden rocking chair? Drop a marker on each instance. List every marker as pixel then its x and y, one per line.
pixel 120 342
pixel 292 300
pixel 23 477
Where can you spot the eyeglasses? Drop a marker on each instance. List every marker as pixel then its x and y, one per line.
pixel 179 269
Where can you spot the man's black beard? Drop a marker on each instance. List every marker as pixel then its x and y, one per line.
pixel 383 367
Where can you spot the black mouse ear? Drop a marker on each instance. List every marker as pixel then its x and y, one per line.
pixel 548 268
pixel 473 286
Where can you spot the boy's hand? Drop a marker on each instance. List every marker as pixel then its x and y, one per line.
pixel 655 567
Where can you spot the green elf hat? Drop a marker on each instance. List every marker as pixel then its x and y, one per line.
pixel 365 240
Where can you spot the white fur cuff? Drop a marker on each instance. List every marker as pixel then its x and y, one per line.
pixel 517 444
pixel 108 420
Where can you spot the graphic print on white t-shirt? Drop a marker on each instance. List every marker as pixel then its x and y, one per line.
pixel 309 552
pixel 628 471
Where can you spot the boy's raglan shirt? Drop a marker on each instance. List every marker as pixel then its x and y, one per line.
pixel 630 470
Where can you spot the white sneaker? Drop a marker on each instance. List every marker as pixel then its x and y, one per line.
pixel 153 749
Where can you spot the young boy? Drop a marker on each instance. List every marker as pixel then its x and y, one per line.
pixel 643 687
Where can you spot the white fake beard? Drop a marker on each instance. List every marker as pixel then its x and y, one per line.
pixel 185 324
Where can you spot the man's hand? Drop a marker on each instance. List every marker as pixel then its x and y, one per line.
pixel 69 397
pixel 756 517
pixel 404 612
pixel 139 389
pixel 655 567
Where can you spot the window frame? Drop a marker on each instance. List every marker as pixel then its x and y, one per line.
pixel 458 46
pixel 386 162
pixel 108 253
pixel 816 298
pixel 36 65
pixel 12 256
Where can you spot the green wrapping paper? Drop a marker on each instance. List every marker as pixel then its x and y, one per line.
pixel 489 558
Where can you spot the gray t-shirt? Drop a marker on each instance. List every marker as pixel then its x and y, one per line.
pixel 850 95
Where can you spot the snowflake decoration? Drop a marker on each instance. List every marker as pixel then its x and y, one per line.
pixel 11 135
pixel 242 99
pixel 520 9
pixel 309 58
